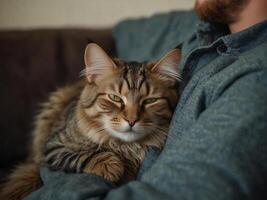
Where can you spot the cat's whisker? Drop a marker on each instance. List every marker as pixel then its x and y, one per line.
pixel 146 123
pixel 101 130
pixel 164 132
pixel 82 73
pixel 167 136
pixel 97 69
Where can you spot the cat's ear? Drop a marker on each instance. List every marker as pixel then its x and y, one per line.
pixel 98 64
pixel 167 68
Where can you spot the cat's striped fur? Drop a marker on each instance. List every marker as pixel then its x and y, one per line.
pixel 81 129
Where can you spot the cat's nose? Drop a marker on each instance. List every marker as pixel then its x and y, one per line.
pixel 131 122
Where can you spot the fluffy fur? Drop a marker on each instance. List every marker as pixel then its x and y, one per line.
pixel 103 124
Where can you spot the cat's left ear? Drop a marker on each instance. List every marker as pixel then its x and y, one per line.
pixel 98 64
pixel 167 68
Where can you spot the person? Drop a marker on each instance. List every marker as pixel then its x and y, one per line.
pixel 217 144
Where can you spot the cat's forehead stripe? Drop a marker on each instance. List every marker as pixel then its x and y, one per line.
pixel 134 75
pixel 145 87
pixel 113 87
pixel 117 87
pixel 120 86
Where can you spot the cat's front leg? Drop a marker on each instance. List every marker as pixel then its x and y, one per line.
pixel 107 165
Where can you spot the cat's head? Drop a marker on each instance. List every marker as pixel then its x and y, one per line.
pixel 129 100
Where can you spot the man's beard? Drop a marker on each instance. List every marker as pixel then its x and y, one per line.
pixel 220 11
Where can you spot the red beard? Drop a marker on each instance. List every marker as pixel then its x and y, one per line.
pixel 221 11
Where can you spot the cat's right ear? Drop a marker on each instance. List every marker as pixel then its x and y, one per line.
pixel 98 63
pixel 167 68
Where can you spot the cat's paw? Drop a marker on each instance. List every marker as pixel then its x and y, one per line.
pixel 107 165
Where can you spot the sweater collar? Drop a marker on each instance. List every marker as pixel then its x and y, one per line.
pixel 208 33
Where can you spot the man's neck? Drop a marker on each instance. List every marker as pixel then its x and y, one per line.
pixel 254 12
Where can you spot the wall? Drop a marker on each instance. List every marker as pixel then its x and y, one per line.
pixel 80 13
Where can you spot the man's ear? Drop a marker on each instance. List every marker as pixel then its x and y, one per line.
pixel 167 68
pixel 98 63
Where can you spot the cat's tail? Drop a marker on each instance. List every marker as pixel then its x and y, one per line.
pixel 24 180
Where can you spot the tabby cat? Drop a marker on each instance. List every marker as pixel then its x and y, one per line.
pixel 104 123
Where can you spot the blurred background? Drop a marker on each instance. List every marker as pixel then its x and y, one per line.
pixel 21 14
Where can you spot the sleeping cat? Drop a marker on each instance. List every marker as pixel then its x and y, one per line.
pixel 104 123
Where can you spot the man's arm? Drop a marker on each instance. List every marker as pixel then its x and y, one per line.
pixel 222 156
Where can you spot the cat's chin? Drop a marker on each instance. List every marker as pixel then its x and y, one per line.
pixel 128 136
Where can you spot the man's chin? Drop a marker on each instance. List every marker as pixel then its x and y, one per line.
pixel 199 2
pixel 207 10
pixel 220 11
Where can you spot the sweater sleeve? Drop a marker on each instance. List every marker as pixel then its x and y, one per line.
pixel 149 38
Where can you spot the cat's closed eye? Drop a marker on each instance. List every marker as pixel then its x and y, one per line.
pixel 114 97
pixel 150 100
